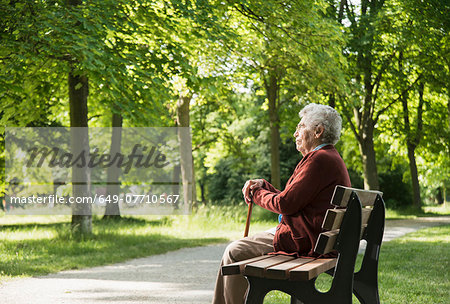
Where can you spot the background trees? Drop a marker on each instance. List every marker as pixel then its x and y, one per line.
pixel 390 52
pixel 238 72
pixel 291 47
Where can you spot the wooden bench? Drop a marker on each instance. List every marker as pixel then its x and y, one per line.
pixel 362 218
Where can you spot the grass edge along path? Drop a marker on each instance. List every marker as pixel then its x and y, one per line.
pixel 413 269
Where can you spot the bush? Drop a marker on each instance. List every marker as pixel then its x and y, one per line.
pixel 396 193
pixel 225 186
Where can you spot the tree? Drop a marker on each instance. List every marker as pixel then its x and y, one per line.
pixel 110 49
pixel 288 42
pixel 365 70
pixel 78 99
pixel 417 32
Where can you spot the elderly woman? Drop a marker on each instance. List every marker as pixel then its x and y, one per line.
pixel 302 204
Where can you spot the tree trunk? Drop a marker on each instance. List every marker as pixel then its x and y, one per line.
pixel 448 108
pixel 78 93
pixel 367 149
pixel 364 114
pixel 202 191
pixel 186 161
pixel 332 100
pixel 272 89
pixel 176 173
pixel 364 135
pixel 112 210
pixel 194 185
pixel 448 98
pixel 412 140
pixel 414 175
pixel 440 196
pixel 176 186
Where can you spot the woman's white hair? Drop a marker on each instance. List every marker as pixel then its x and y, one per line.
pixel 316 114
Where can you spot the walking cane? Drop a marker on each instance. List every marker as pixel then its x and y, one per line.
pixel 249 214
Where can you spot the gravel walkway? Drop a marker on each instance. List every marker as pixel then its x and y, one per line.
pixel 154 279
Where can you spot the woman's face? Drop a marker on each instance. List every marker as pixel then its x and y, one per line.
pixel 305 139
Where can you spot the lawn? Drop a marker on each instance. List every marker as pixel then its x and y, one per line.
pixel 37 245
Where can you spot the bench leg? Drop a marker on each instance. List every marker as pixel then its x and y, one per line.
pixel 366 294
pixel 306 291
pixel 257 290
pixel 365 284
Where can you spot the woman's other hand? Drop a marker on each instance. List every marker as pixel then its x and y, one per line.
pixel 249 187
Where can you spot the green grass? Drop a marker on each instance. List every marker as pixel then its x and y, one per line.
pixel 35 249
pixel 413 269
pixel 37 245
pixel 411 212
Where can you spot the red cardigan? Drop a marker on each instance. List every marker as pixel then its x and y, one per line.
pixel 304 201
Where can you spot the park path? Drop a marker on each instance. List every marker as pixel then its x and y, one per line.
pixel 152 280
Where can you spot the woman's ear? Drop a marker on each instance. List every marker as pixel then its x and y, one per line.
pixel 319 131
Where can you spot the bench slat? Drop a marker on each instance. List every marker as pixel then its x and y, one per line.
pixel 258 268
pixel 342 194
pixel 311 270
pixel 325 242
pixel 281 271
pixel 238 267
pixel 333 218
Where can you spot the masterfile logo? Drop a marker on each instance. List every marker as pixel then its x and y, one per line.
pixel 143 166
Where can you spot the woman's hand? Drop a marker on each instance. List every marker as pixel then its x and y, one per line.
pixel 249 187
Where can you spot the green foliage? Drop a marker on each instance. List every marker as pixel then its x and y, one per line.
pixel 289 158
pixel 292 38
pixel 129 50
pixel 226 184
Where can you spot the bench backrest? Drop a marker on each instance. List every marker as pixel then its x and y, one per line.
pixel 334 217
pixel 363 218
